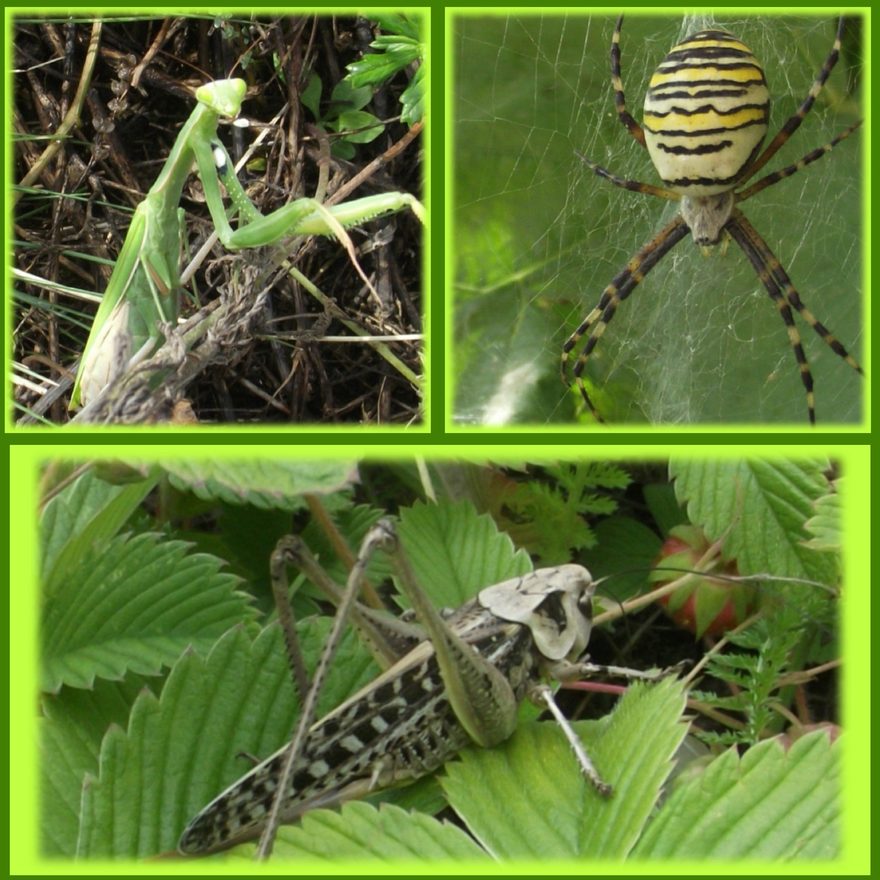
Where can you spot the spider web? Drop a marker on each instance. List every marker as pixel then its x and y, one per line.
pixel 537 236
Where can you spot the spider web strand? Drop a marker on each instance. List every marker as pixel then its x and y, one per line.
pixel 793 123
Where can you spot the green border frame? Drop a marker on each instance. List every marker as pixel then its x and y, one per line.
pixel 636 429
pixel 434 214
pixel 25 460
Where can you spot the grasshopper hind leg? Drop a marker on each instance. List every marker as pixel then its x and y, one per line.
pixel 271 793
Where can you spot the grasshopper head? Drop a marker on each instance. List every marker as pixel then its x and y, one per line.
pixel 554 603
pixel 223 96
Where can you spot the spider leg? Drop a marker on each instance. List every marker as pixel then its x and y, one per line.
pixel 777 283
pixel 615 293
pixel 812 156
pixel 617 82
pixel 794 121
pixel 631 185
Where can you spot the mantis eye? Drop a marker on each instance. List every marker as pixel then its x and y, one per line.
pixel 219 159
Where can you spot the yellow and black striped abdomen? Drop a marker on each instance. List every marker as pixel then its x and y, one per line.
pixel 706 113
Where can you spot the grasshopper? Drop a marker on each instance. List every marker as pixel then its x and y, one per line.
pixel 454 680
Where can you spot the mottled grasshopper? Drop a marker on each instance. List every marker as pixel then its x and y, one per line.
pixel 452 680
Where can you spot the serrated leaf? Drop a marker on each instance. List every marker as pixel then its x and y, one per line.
pixel 88 511
pixel 527 798
pixel 133 604
pixel 549 522
pixel 423 796
pixel 359 831
pixel 455 551
pixel 262 482
pixel 825 526
pixel 760 507
pixel 769 804
pixel 71 731
pixel 182 749
pixel 65 759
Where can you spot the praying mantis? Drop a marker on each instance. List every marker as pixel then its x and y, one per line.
pixel 141 298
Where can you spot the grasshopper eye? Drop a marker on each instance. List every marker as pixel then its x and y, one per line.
pixel 585 605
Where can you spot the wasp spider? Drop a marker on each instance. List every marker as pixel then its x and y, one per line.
pixel 706 114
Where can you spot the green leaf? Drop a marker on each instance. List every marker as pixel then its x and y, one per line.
pixel 182 749
pixel 85 513
pixel 769 804
pixel 760 507
pixel 551 517
pixel 243 536
pixel 398 45
pixel 345 97
pixel 361 127
pixel 412 101
pixel 546 521
pixel 625 553
pixel 400 24
pixel 71 731
pixel 394 54
pixel 360 831
pixel 663 506
pixel 825 526
pixel 262 482
pixel 456 552
pixel 133 604
pixel 311 95
pixel 342 149
pixel 65 758
pixel 527 798
pixel 422 795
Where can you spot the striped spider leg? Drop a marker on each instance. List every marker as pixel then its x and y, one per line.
pixel 706 115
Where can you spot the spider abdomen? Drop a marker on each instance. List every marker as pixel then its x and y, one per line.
pixel 706 113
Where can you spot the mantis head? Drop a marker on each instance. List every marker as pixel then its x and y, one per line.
pixel 223 96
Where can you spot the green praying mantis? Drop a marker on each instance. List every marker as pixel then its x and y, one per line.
pixel 142 295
